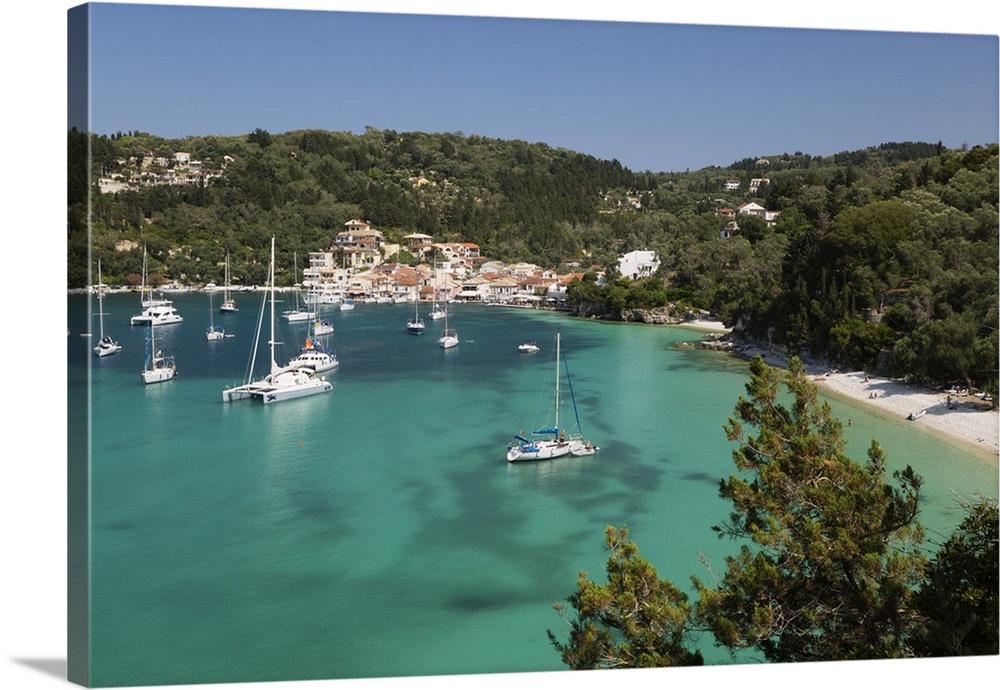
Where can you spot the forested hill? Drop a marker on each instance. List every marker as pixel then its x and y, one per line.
pixel 884 257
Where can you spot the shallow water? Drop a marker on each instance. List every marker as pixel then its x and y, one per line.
pixel 377 530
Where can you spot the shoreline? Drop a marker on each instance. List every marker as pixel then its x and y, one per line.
pixel 967 419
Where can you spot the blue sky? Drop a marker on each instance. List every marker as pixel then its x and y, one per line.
pixel 655 96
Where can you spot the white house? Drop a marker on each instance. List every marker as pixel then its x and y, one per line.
pixel 751 208
pixel 638 264
pixel 754 209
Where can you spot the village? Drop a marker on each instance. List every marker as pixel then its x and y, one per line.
pixel 359 266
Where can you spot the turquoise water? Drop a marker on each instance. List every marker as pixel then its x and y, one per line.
pixel 377 530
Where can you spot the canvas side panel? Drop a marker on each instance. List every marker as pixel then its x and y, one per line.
pixel 78 403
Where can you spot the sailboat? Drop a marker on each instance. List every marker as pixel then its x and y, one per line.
pixel 449 336
pixel 214 332
pixel 282 383
pixel 228 303
pixel 158 311
pixel 415 325
pixel 106 345
pixel 321 326
pixel 158 367
pixel 559 445
pixel 436 311
pixel 300 313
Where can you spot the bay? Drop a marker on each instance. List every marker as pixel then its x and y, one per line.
pixel 378 531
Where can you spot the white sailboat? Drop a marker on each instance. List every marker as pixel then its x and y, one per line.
pixel 559 445
pixel 106 345
pixel 228 303
pixel 282 383
pixel 436 311
pixel 300 313
pixel 158 367
pixel 214 332
pixel 415 326
pixel 322 327
pixel 449 336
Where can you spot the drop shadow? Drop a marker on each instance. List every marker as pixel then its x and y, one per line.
pixel 57 668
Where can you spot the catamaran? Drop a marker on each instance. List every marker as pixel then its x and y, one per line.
pixel 282 383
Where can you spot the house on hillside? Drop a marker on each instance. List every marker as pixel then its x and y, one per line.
pixel 359 244
pixel 729 230
pixel 754 209
pixel 638 264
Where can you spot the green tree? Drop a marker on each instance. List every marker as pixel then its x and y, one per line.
pixel 829 551
pixel 636 620
pixel 261 137
pixel 958 600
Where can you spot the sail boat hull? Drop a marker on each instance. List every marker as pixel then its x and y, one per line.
pixel 538 450
pixel 301 315
pixel 285 385
pixel 161 371
pixel 106 346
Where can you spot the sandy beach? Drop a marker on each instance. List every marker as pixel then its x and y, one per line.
pixel 703 325
pixel 967 418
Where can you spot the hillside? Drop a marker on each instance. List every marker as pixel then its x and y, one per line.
pixel 883 258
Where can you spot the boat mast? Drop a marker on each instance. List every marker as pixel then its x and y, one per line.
pixel 100 298
pixel 557 382
pixel 152 347
pixel 274 363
